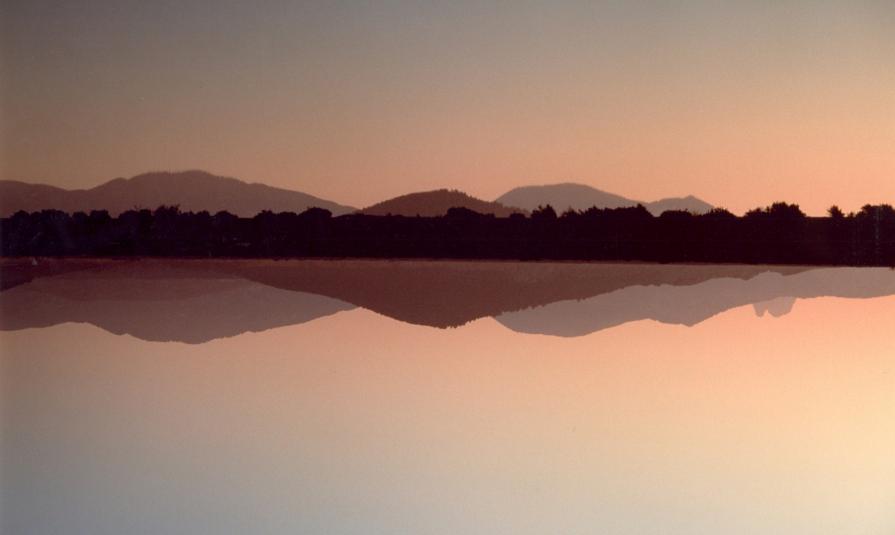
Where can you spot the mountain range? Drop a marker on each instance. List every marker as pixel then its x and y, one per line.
pixel 191 190
pixel 198 190
pixel 581 197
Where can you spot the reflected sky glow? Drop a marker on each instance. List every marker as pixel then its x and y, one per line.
pixel 356 423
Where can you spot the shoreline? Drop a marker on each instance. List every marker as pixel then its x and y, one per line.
pixel 15 260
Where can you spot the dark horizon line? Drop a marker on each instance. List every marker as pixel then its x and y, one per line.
pixel 778 234
pixel 832 212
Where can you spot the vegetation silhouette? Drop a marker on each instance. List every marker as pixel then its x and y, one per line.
pixel 778 234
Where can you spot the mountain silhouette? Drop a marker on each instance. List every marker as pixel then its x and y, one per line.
pixel 689 203
pixel 581 197
pixel 191 190
pixel 437 203
pixel 768 292
pixel 160 302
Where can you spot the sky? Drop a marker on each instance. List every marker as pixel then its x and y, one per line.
pixel 739 103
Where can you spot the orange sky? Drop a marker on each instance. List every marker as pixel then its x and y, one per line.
pixel 740 105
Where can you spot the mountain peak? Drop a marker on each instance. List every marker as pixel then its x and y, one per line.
pixel 192 190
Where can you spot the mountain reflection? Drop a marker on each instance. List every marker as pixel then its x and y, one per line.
pixel 777 308
pixel 160 302
pixel 195 301
pixel 771 293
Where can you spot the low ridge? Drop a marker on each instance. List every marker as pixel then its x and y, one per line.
pixel 437 203
pixel 581 197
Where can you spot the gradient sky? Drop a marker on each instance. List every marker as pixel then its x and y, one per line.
pixel 356 423
pixel 741 103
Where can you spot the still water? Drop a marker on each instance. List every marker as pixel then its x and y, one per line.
pixel 427 397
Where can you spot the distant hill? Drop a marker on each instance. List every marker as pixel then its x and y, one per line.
pixel 562 197
pixel 688 203
pixel 581 197
pixel 191 190
pixel 437 203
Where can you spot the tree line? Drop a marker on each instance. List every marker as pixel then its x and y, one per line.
pixel 778 234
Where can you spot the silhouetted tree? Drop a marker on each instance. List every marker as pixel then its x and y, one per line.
pixel 780 233
pixel 543 213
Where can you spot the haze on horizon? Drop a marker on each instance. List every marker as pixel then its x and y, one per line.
pixel 741 105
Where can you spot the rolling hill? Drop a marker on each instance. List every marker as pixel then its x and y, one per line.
pixel 437 203
pixel 688 203
pixel 191 190
pixel 582 197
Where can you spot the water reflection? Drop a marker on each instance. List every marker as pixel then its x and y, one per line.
pixel 198 301
pixel 357 423
pixel 160 301
pixel 688 305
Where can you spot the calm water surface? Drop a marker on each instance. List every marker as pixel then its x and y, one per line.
pixel 160 400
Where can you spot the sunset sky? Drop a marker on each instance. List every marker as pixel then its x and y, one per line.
pixel 740 103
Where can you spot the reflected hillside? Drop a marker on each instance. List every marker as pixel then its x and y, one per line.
pixel 452 293
pixel 159 302
pixel 769 293
pixel 195 301
pixel 777 308
pixel 16 271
